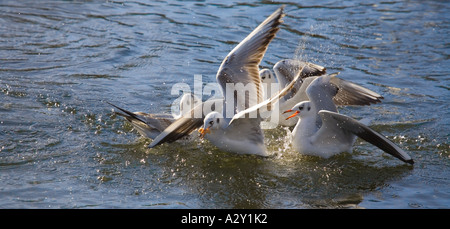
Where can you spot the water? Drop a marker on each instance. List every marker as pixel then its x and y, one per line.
pixel 61 146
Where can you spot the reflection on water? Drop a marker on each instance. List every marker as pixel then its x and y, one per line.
pixel 61 145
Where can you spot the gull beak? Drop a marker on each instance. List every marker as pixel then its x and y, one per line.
pixel 293 115
pixel 203 132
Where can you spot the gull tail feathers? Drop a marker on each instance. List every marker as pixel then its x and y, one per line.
pixel 130 116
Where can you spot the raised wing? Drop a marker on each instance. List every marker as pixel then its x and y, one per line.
pixel 321 93
pixel 241 64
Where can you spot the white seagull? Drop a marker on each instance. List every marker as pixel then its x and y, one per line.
pixel 323 132
pixel 348 93
pixel 151 125
pixel 240 66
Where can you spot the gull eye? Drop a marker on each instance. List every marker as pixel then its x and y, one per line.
pixel 263 77
pixel 300 108
pixel 211 122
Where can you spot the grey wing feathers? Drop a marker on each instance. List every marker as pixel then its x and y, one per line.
pixel 353 94
pixel 268 103
pixel 246 128
pixel 241 64
pixel 367 134
pixel 126 114
pixel 183 126
pixel 188 122
pixel 287 69
pixel 148 125
pixel 180 128
pixel 321 92
pixel 157 121
pixel 312 70
pixel 153 125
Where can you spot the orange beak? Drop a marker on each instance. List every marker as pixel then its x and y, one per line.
pixel 203 132
pixel 293 115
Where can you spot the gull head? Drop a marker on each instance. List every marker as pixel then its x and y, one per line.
pixel 302 108
pixel 187 102
pixel 212 121
pixel 267 76
pixel 287 68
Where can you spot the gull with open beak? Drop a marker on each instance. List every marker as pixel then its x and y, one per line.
pixel 324 132
pixel 204 131
pixel 348 93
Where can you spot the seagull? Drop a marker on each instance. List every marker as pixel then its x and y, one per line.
pixel 348 93
pixel 240 66
pixel 241 134
pixel 324 132
pixel 151 125
pixel 269 82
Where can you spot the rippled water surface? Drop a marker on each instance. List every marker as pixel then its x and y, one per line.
pixel 61 146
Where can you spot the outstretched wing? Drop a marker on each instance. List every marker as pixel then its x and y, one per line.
pixel 188 122
pixel 333 120
pixel 241 64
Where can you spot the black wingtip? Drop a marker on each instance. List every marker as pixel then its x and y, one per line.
pixel 130 114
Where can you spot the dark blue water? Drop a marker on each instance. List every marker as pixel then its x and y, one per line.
pixel 61 146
